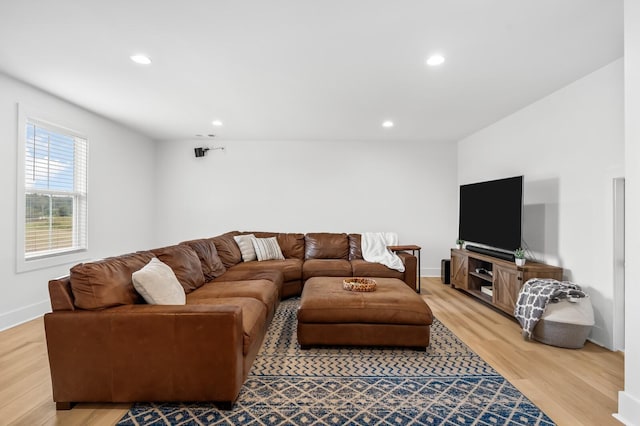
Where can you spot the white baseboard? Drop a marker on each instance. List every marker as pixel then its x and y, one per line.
pixel 24 314
pixel 429 272
pixel 628 409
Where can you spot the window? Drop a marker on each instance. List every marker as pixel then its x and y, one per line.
pixel 54 188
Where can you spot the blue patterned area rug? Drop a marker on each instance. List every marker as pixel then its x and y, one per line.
pixel 446 385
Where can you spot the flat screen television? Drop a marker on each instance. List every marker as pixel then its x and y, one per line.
pixel 491 213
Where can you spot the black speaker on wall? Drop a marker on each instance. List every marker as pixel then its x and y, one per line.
pixel 445 271
pixel 200 152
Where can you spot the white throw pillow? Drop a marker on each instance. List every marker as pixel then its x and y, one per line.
pixel 246 247
pixel 267 249
pixel 157 284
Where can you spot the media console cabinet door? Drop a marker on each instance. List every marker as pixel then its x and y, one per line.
pixel 506 287
pixel 459 271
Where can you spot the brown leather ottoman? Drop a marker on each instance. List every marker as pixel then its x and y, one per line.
pixel 393 315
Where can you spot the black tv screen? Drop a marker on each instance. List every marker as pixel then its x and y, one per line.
pixel 491 213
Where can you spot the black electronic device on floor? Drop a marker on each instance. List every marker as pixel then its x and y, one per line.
pixel 445 271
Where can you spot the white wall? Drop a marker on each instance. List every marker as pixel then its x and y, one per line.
pixel 121 194
pixel 290 186
pixel 629 399
pixel 569 146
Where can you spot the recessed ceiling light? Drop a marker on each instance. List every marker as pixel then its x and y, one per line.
pixel 435 60
pixel 387 124
pixel 141 59
pixel 217 123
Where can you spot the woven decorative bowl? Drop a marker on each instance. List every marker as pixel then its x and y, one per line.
pixel 359 284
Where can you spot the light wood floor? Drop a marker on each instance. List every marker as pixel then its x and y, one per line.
pixel 574 387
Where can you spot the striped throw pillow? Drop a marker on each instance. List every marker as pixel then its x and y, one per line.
pixel 246 247
pixel 267 249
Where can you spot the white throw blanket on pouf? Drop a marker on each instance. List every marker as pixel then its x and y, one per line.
pixel 374 249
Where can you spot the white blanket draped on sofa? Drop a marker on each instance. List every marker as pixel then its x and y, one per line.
pixel 374 249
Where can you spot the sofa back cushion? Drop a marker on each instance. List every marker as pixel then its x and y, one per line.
pixel 185 264
pixel 324 245
pixel 355 247
pixel 212 266
pixel 261 234
pixel 291 244
pixel 228 249
pixel 107 282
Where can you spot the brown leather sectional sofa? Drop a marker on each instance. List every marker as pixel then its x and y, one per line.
pixel 106 344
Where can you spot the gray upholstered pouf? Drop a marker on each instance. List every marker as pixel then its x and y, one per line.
pixel 565 324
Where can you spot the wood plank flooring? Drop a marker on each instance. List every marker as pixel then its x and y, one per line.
pixel 574 387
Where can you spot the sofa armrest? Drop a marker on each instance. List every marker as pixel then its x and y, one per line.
pixel 146 353
pixel 410 268
pixel 60 294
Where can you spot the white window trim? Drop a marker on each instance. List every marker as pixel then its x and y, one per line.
pixel 24 263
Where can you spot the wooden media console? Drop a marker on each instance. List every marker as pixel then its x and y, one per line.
pixel 494 280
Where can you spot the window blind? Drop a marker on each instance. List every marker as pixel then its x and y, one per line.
pixel 55 190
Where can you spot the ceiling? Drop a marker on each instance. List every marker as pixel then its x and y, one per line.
pixel 303 69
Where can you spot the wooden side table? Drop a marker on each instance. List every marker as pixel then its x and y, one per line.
pixel 413 249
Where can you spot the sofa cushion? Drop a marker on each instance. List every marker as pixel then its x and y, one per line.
pixel 273 275
pixel 205 248
pixel 254 315
pixel 262 290
pixel 261 234
pixel 291 244
pixel 158 285
pixel 291 268
pixel 362 268
pixel 267 249
pixel 355 246
pixel 326 268
pixel 185 264
pixel 107 282
pixel 228 249
pixel 245 244
pixel 325 245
